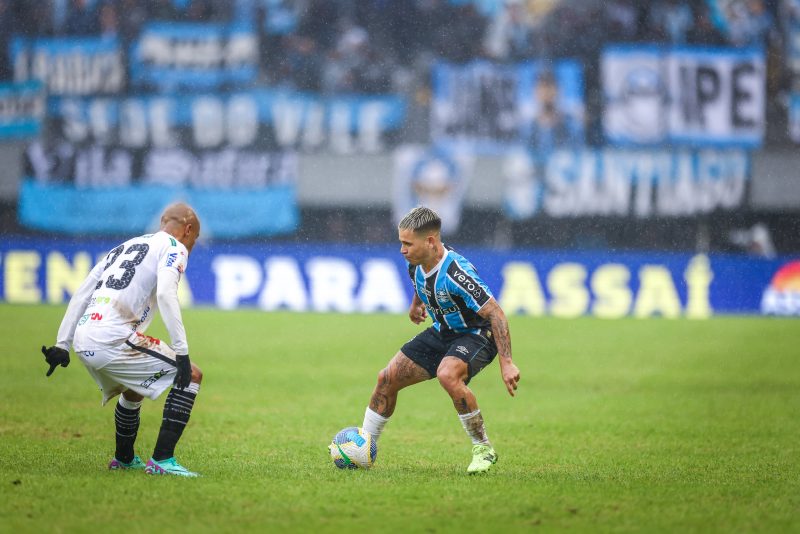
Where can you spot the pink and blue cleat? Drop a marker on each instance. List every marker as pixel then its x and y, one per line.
pixel 136 463
pixel 170 466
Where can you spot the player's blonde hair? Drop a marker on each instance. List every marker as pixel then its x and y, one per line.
pixel 421 219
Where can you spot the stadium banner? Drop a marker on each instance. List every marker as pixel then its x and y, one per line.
pixel 489 108
pixel 684 95
pixel 272 119
pixel 70 66
pixel 794 116
pixel 618 182
pixel 342 278
pixel 22 107
pixel 226 213
pixel 434 177
pixel 171 56
pixel 791 28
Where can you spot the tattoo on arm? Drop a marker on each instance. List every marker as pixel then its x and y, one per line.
pixel 501 334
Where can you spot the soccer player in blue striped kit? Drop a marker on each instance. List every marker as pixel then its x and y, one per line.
pixel 469 329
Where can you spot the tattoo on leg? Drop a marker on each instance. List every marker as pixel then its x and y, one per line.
pixel 461 406
pixel 384 378
pixel 476 428
pixel 405 370
pixel 379 403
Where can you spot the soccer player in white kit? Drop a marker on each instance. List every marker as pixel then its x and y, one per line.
pixel 105 323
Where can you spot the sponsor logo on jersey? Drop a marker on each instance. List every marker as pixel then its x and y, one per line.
pixel 468 283
pixel 153 379
pixel 153 340
pixel 97 301
pixel 88 354
pixel 782 295
pixel 142 318
pixel 90 317
pixel 451 309
pixel 172 257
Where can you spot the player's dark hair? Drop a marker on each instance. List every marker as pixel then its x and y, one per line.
pixel 420 220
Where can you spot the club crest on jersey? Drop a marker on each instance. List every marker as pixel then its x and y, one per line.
pixel 442 296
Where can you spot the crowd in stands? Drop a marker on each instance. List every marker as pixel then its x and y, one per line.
pixel 382 46
pixel 339 46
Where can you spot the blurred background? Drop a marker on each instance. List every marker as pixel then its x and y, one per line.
pixel 578 146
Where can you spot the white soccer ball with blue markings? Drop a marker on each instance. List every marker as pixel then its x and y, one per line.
pixel 352 448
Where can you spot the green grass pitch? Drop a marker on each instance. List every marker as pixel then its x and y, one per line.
pixel 628 425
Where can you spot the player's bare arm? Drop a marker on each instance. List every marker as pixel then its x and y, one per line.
pixel 417 312
pixel 502 337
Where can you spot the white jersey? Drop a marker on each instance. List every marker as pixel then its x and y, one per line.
pixel 123 292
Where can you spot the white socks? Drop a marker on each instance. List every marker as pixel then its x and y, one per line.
pixel 374 423
pixel 130 405
pixel 473 425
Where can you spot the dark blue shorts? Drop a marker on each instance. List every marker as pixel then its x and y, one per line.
pixel 428 348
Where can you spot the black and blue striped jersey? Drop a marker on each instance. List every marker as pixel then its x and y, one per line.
pixel 453 293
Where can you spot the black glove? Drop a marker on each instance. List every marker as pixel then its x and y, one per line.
pixel 55 356
pixel 184 375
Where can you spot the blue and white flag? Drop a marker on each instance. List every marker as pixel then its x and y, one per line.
pixel 490 108
pixel 70 66
pixel 265 118
pixel 433 177
pixel 641 183
pixel 194 56
pixel 684 95
pixel 22 108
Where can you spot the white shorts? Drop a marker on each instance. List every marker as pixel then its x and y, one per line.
pixel 142 364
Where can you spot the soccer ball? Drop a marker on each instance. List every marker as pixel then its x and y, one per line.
pixel 352 448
